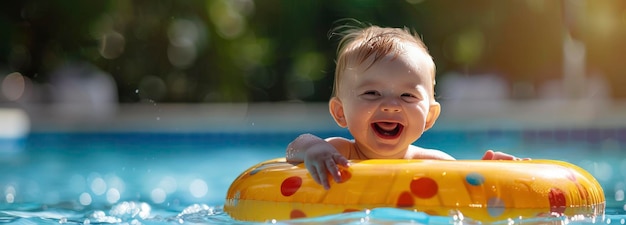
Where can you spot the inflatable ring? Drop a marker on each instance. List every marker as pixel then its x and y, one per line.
pixel 481 190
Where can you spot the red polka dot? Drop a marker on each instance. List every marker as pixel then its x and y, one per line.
pixel 557 200
pixel 424 187
pixel 345 176
pixel 405 200
pixel 290 186
pixel 296 214
pixel 350 210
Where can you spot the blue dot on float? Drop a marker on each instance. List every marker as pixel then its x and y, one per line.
pixel 495 206
pixel 475 179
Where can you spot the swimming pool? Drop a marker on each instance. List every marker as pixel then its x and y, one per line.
pixel 170 164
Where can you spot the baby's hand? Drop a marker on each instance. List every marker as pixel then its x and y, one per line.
pixel 322 159
pixel 491 155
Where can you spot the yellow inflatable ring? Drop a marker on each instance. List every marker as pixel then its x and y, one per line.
pixel 480 190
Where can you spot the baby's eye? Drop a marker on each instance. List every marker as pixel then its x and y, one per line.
pixel 371 93
pixel 410 97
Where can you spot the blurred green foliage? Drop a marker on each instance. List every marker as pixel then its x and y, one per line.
pixel 279 50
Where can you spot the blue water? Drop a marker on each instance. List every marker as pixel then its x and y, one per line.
pixel 182 178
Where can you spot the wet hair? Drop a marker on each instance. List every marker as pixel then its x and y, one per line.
pixel 359 43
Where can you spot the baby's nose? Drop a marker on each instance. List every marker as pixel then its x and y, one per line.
pixel 391 107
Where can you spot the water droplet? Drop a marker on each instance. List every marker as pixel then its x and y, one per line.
pixel 619 195
pixel 84 199
pixel 158 195
pixel 98 186
pixel 113 195
pixel 136 91
pixel 198 188
pixel 168 184
pixel 10 198
pixel 158 118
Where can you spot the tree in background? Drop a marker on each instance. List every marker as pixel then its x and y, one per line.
pixel 278 50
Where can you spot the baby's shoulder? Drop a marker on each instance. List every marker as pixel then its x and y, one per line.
pixel 416 152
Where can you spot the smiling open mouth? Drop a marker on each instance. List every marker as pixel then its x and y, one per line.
pixel 387 130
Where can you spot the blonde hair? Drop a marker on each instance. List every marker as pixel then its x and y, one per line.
pixel 360 43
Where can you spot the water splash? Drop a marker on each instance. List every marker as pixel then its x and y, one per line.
pixel 99 216
pixel 198 213
pixel 131 210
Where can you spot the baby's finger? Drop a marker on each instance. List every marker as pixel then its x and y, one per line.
pixel 488 155
pixel 323 179
pixel 340 160
pixel 504 156
pixel 314 174
pixel 333 170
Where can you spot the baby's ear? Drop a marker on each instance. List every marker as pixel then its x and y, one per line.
pixel 433 114
pixel 336 110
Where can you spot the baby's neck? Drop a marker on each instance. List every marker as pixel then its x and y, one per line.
pixel 361 152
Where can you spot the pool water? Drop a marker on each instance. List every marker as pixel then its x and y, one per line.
pixel 182 177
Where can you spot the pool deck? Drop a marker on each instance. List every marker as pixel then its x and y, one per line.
pixel 259 117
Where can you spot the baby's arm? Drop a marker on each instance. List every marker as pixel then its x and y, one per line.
pixel 319 157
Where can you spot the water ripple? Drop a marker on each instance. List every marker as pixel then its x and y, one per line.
pixel 136 213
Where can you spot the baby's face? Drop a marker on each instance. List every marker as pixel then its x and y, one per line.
pixel 386 106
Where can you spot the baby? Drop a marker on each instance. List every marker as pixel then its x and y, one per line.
pixel 384 94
